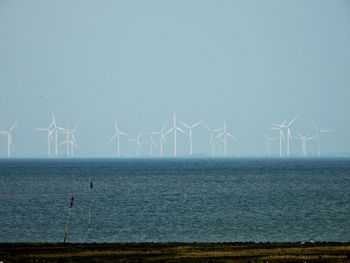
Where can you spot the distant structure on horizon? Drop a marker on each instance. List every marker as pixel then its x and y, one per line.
pixel 218 138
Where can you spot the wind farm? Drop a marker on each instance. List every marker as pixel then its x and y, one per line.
pixel 280 139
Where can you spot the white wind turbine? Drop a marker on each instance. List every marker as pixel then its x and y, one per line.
pixel 289 133
pixel 318 137
pixel 213 138
pixel 9 138
pixel 280 128
pixel 50 131
pixel 55 131
pixel 138 143
pixel 304 139
pixel 190 127
pixel 224 136
pixel 174 129
pixel 162 137
pixel 70 139
pixel 268 143
pixel 116 136
pixel 151 142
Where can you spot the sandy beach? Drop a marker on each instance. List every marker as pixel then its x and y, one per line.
pixel 175 252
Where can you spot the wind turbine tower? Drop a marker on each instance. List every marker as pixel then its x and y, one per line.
pixel 268 143
pixel 190 127
pixel 116 136
pixel 9 138
pixel 289 133
pixel 224 135
pixel 318 137
pixel 304 140
pixel 175 129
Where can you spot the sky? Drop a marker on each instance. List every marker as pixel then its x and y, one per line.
pixel 250 62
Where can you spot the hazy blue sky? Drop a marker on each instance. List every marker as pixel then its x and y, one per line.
pixel 251 62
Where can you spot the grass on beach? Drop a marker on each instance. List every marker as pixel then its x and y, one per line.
pixel 175 252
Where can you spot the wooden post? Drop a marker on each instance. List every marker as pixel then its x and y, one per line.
pixel 69 214
pixel 91 187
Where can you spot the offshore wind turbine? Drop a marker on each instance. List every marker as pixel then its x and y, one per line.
pixel 289 133
pixel 174 129
pixel 50 132
pixel 224 135
pixel 190 127
pixel 280 128
pixel 304 139
pixel 9 138
pixel 213 139
pixel 318 137
pixel 162 137
pixel 70 139
pixel 138 143
pixel 116 136
pixel 151 142
pixel 268 143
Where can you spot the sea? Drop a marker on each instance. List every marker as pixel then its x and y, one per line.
pixel 175 200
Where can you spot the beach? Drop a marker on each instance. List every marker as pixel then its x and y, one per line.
pixel 175 252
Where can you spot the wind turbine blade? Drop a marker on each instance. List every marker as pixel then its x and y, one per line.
pixel 62 143
pixel 169 131
pixel 122 133
pixel 184 124
pixel 327 131
pixel 230 135
pixel 163 137
pixel 314 125
pixel 154 144
pixel 140 135
pixel 293 120
pixel 164 126
pixel 116 125
pixel 41 129
pixel 13 126
pixel 196 124
pixel 181 130
pixel 114 136
pixel 76 127
pixel 53 119
pixel 208 128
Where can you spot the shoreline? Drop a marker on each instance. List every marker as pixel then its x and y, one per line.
pixel 175 252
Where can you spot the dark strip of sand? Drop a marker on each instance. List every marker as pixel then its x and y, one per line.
pixel 175 252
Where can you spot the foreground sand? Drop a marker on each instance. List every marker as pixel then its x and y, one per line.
pixel 175 252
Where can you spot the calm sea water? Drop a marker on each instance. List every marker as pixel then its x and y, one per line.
pixel 175 200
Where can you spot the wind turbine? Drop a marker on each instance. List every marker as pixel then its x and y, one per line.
pixel 190 127
pixel 9 138
pixel 50 131
pixel 318 137
pixel 138 143
pixel 224 135
pixel 174 129
pixel 116 136
pixel 268 143
pixel 151 142
pixel 70 139
pixel 55 129
pixel 212 140
pixel 289 133
pixel 280 128
pixel 304 140
pixel 162 137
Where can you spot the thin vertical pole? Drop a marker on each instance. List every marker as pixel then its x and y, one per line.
pixel 69 214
